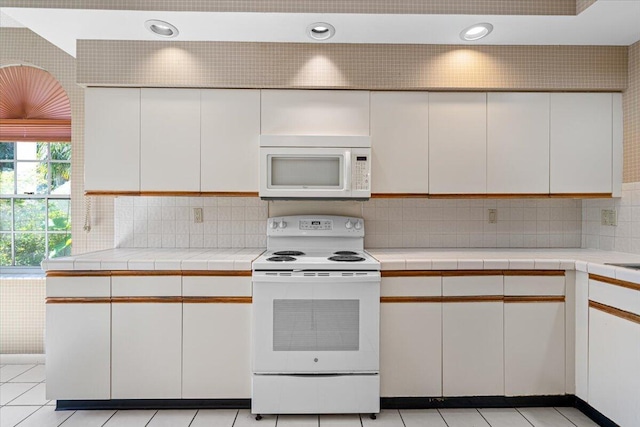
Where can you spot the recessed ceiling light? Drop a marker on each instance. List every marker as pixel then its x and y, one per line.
pixel 320 31
pixel 161 28
pixel 476 31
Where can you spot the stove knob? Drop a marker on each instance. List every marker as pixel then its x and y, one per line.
pixel 349 224
pixel 358 225
pixel 283 224
pixel 274 225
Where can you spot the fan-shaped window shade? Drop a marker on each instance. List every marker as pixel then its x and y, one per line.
pixel 33 106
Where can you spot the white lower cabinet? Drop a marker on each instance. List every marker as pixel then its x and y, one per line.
pixel 472 349
pixel 614 367
pixel 472 335
pixel 78 347
pixel 216 361
pixel 534 348
pixel 410 349
pixel 146 357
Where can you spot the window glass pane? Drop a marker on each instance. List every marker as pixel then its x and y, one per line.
pixel 60 150
pixel 59 244
pixel 60 180
pixel 5 215
pixel 29 214
pixel 32 178
pixel 5 249
pixel 7 150
pixel 7 178
pixel 59 215
pixel 28 151
pixel 29 248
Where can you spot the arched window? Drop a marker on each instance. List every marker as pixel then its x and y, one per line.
pixel 35 167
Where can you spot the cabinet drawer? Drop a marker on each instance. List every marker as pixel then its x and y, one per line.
pixel 142 286
pixel 472 285
pixel 534 285
pixel 83 286
pixel 616 296
pixel 213 286
pixel 420 286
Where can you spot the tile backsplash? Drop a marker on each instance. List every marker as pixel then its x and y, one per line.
pixel 168 222
pixel 623 237
pixel 464 223
pixel 233 222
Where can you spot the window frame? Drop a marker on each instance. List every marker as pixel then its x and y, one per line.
pixel 46 197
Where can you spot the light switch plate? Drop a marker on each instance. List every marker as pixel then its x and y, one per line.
pixel 493 216
pixel 609 217
pixel 197 215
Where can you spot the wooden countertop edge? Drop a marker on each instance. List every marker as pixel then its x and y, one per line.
pixel 473 298
pixel 616 282
pixel 187 273
pixel 147 300
pixel 626 315
pixel 453 273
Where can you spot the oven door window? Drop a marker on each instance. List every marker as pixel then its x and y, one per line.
pixel 316 325
pixel 306 172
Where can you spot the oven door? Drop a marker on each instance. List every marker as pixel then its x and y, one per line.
pixel 316 322
pixel 305 172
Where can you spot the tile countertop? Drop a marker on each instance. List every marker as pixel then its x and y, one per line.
pixel 157 259
pixel 587 260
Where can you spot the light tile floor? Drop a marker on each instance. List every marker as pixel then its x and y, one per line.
pixel 23 403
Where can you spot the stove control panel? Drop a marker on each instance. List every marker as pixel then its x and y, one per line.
pixel 313 225
pixel 316 224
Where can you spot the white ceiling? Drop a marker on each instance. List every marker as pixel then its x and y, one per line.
pixel 607 22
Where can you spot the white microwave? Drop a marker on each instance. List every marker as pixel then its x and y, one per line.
pixel 315 167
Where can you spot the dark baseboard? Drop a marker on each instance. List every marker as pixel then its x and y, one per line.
pixel 385 403
pixel 475 402
pixel 596 416
pixel 497 402
pixel 154 404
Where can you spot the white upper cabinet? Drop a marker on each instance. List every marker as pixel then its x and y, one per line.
pixel 230 129
pixel 400 142
pixel 315 112
pixel 170 140
pixel 518 143
pixel 581 142
pixel 112 139
pixel 457 143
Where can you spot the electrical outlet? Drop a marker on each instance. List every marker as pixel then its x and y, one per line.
pixel 609 217
pixel 197 215
pixel 493 216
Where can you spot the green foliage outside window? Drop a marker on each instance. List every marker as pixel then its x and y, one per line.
pixel 35 208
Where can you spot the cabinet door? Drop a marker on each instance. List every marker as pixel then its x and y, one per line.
pixel 216 351
pixel 410 349
pixel 457 143
pixel 614 368
pixel 230 140
pixel 581 143
pixel 400 142
pixel 315 112
pixel 518 143
pixel 78 348
pixel 146 351
pixel 472 349
pixel 534 347
pixel 112 139
pixel 170 140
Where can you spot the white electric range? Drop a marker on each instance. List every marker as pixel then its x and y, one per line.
pixel 316 311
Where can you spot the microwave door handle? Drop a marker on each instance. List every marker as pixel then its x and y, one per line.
pixel 346 170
